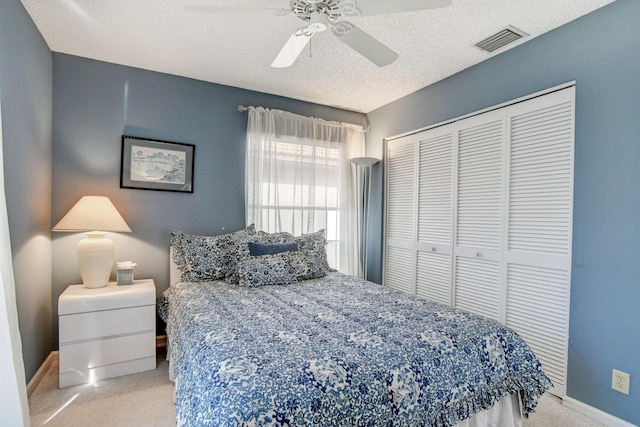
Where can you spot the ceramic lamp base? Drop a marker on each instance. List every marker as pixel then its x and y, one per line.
pixel 95 258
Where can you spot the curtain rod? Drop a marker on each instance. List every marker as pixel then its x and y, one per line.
pixel 242 108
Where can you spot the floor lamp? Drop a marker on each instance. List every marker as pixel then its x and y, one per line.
pixel 361 167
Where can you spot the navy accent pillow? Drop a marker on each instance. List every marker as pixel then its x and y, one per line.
pixel 259 249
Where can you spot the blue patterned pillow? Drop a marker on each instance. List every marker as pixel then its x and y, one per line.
pixel 279 237
pixel 203 258
pixel 313 246
pixel 265 270
pixel 304 267
pixel 259 248
pixel 238 248
pixel 309 262
pixel 176 240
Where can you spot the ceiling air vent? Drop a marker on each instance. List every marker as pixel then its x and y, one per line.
pixel 501 39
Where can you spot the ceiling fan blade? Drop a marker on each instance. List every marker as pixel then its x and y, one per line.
pixel 292 49
pixel 237 10
pixel 384 7
pixel 364 44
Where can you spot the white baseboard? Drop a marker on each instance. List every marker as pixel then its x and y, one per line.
pixel 595 413
pixel 42 370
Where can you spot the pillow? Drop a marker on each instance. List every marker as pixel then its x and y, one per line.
pixel 259 249
pixel 279 237
pixel 237 247
pixel 304 267
pixel 176 240
pixel 265 270
pixel 313 246
pixel 203 258
pixel 313 264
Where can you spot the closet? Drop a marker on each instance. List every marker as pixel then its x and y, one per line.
pixel 478 215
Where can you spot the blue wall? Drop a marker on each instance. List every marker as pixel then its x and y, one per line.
pixel 25 83
pixel 601 51
pixel 94 103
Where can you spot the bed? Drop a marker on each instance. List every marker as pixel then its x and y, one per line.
pixel 329 350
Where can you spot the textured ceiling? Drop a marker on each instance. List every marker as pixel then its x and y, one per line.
pixel 237 50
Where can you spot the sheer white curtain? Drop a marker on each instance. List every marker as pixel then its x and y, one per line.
pixel 13 405
pixel 298 179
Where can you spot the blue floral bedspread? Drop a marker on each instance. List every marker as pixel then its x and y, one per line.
pixel 337 351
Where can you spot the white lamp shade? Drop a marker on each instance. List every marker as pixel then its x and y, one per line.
pixel 94 215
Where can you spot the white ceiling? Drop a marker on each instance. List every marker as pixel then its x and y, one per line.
pixel 237 50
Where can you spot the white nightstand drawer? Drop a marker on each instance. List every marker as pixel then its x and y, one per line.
pixel 78 299
pixel 94 354
pixel 85 376
pixel 108 323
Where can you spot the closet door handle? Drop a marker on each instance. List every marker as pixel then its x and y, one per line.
pixel 476 254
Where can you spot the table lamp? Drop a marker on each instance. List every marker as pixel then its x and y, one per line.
pixel 95 252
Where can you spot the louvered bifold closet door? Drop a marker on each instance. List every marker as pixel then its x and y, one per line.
pixel 400 187
pixel 479 214
pixel 539 227
pixel 435 215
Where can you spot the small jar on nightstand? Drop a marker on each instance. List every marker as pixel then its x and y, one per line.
pixel 106 332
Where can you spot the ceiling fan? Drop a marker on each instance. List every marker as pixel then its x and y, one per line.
pixel 320 15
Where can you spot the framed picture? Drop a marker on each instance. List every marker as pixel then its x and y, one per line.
pixel 151 164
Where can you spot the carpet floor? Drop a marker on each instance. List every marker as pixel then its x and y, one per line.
pixel 146 399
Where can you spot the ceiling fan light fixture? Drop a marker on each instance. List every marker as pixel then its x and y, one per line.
pixel 318 22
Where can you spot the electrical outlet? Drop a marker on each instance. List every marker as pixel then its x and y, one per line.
pixel 620 381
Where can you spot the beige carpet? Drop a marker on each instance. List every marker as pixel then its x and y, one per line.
pixel 143 399
pixel 146 399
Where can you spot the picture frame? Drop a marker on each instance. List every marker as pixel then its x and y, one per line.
pixel 153 164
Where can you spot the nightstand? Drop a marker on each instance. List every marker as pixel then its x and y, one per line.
pixel 106 332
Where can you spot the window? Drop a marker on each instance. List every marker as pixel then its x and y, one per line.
pixel 298 177
pixel 301 189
